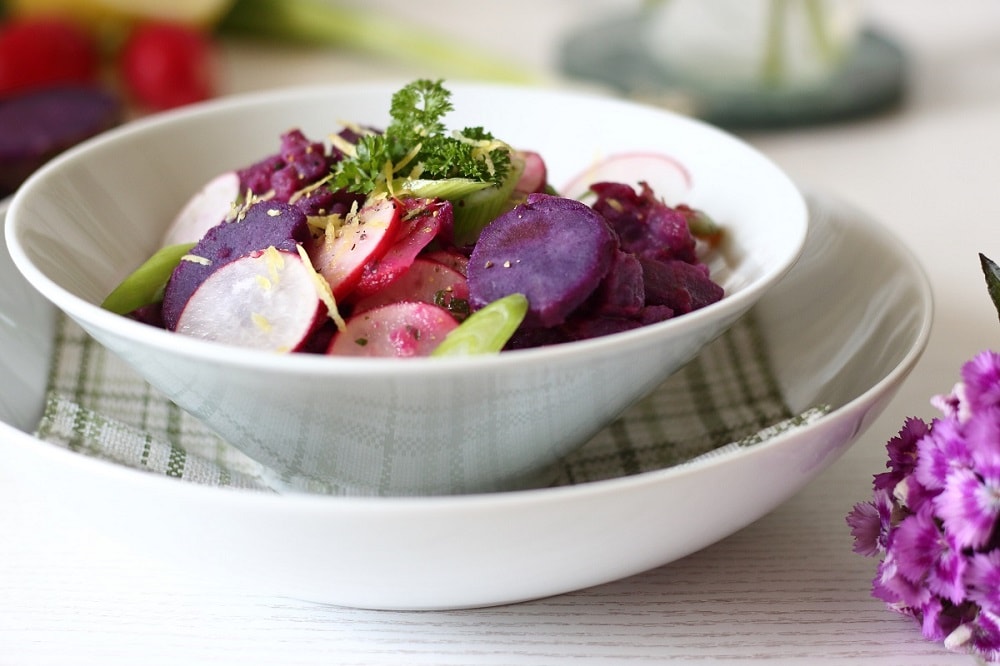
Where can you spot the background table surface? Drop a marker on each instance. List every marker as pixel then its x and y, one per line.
pixel 785 589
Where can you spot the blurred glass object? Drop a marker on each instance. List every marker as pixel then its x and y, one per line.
pixel 744 63
pixel 740 43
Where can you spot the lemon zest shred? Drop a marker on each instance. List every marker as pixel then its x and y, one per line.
pixel 260 321
pixel 275 263
pixel 323 290
pixel 308 189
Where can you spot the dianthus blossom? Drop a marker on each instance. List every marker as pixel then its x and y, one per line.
pixel 934 516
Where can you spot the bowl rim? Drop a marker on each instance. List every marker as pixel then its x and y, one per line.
pixel 228 355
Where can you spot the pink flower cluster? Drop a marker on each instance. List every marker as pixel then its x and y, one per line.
pixel 934 516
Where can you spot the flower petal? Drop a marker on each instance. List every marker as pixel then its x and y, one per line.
pixel 968 508
pixel 981 377
pixel 865 528
pixel 943 450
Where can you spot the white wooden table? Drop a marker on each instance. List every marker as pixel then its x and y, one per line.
pixel 787 589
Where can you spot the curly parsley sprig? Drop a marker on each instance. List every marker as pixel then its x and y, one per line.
pixel 416 145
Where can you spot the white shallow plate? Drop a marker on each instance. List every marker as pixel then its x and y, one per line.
pixel 844 328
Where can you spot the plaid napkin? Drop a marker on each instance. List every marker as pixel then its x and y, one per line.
pixel 726 397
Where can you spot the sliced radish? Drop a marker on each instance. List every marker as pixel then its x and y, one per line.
pixel 395 330
pixel 262 225
pixel 417 228
pixel 534 178
pixel 450 258
pixel 363 238
pixel 266 300
pixel 665 175
pixel 210 206
pixel 425 281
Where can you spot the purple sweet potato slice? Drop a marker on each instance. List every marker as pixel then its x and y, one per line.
pixel 595 327
pixel 681 286
pixel 553 250
pixel 646 226
pixel 256 177
pixel 622 293
pixel 321 201
pixel 264 224
pixel 298 163
pixel 36 126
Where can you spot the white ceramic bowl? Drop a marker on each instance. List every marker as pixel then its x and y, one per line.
pixel 380 426
pixel 849 347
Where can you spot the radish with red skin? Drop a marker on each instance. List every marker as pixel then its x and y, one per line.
pixel 341 256
pixel 451 258
pixel 43 52
pixel 420 222
pixel 260 226
pixel 534 177
pixel 398 330
pixel 164 65
pixel 553 250
pixel 265 300
pixel 425 281
pixel 207 208
pixel 664 174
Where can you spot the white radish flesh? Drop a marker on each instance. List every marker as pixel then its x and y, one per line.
pixel 210 206
pixel 398 330
pixel 266 300
pixel 363 238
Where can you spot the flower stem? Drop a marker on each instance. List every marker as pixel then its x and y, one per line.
pixel 816 17
pixel 325 23
pixel 773 67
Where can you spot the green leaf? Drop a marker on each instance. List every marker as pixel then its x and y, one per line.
pixel 416 146
pixel 145 285
pixel 992 273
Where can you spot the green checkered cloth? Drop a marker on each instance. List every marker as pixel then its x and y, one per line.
pixel 726 397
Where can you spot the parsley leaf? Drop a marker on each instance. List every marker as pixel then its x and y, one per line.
pixel 416 145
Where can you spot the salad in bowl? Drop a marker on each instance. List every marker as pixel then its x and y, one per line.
pixel 415 241
pixel 248 264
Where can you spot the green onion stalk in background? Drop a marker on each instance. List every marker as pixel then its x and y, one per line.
pixel 774 59
pixel 324 22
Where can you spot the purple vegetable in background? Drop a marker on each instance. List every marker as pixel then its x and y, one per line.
pixel 36 126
